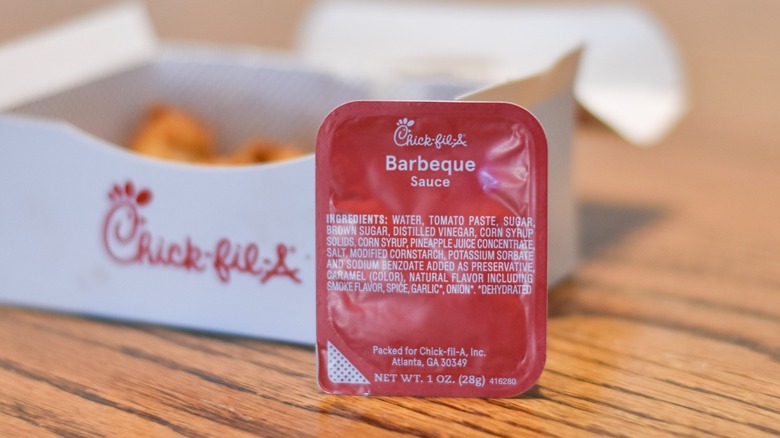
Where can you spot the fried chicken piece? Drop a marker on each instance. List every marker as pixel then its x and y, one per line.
pixel 260 151
pixel 170 133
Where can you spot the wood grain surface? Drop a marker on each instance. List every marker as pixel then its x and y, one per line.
pixel 670 326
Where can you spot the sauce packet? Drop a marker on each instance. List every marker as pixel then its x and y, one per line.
pixel 431 237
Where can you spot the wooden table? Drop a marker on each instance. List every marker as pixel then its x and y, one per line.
pixel 671 325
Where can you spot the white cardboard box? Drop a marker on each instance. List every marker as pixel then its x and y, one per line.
pixel 90 228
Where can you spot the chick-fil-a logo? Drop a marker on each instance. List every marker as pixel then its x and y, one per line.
pixel 404 137
pixel 128 241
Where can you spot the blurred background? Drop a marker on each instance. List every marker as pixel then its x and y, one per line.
pixel 726 67
pixel 243 22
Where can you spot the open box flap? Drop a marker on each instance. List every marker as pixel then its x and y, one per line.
pixel 629 76
pixel 548 95
pixel 80 51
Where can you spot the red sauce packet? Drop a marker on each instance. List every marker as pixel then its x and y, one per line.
pixel 431 249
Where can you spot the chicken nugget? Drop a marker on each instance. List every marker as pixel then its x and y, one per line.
pixel 170 133
pixel 260 151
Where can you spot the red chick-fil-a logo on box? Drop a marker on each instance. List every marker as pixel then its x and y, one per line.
pixel 128 241
pixel 403 136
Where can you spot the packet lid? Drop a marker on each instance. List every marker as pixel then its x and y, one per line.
pixel 431 251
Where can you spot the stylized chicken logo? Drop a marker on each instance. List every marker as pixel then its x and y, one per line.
pixel 405 122
pixel 123 219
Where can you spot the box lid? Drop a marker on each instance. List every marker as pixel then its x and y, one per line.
pixel 105 42
pixel 630 76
